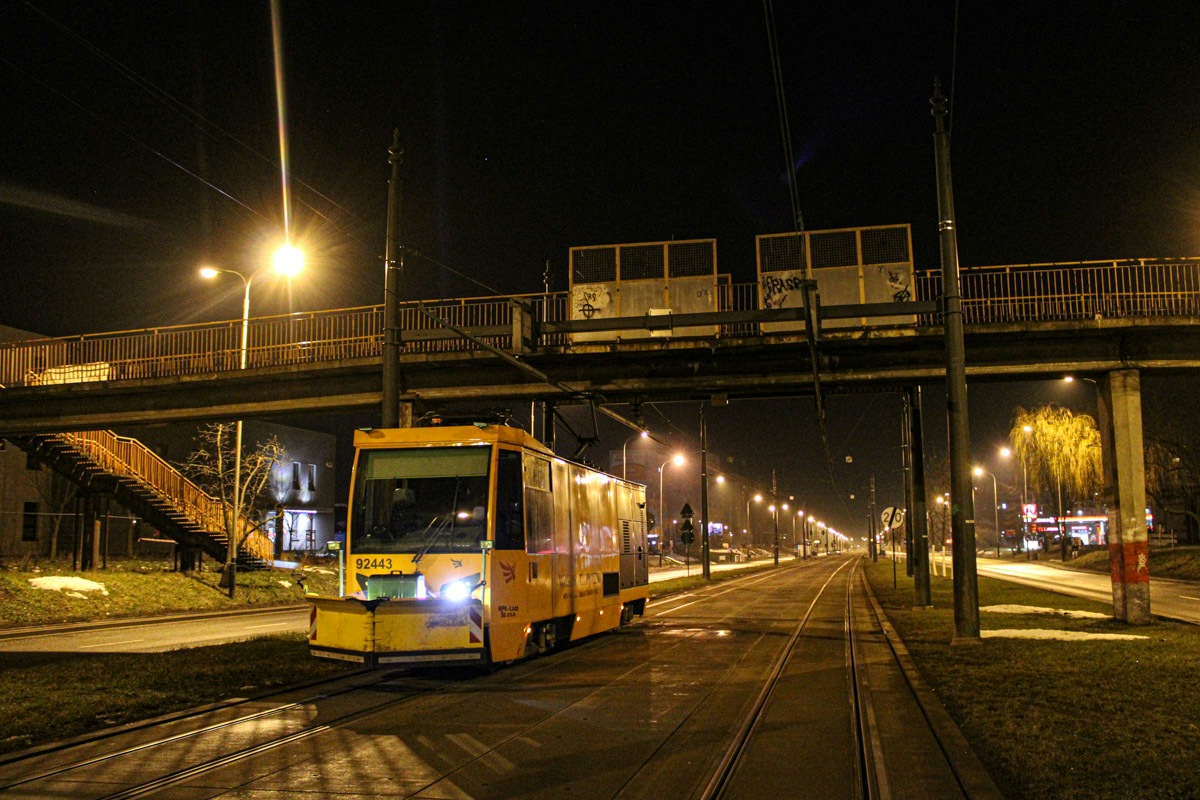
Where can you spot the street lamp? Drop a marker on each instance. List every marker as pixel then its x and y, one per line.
pixel 1006 452
pixel 288 261
pixel 677 460
pixel 642 435
pixel 750 528
pixel 943 500
pixel 980 472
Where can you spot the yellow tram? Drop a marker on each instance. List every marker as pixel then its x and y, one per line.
pixel 477 545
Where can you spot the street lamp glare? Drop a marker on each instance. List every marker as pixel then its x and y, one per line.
pixel 758 498
pixel 979 472
pixel 1004 451
pixel 678 460
pixel 288 260
pixel 208 273
pixel 720 479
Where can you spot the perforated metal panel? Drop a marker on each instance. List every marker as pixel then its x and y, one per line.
pixel 885 246
pixel 784 252
pixel 642 262
pixel 833 248
pixel 593 264
pixel 692 259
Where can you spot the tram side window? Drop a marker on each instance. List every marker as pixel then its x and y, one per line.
pixel 539 505
pixel 510 510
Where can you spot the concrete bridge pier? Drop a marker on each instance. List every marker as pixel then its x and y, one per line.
pixel 1120 422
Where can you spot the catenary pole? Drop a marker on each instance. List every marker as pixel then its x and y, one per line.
pixel 962 508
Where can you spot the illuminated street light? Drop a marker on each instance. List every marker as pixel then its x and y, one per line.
pixel 1007 453
pixel 641 435
pixel 678 461
pixel 980 472
pixel 749 528
pixel 288 261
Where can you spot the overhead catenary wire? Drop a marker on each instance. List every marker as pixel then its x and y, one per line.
pixel 798 227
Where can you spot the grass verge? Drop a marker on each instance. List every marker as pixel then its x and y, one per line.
pixel 47 697
pixel 1057 719
pixel 137 589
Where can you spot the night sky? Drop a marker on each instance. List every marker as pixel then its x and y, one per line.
pixel 140 141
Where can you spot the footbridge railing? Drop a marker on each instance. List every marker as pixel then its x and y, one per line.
pixel 1015 294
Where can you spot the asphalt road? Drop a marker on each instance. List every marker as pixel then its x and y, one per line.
pixel 153 635
pixel 1178 600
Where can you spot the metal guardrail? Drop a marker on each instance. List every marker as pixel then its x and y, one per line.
pixel 1078 291
pixel 129 458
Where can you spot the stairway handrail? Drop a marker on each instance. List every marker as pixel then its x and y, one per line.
pixel 132 458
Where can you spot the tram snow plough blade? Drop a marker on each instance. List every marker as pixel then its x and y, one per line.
pixel 387 631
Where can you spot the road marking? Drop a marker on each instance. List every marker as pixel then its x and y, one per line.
pixel 110 644
pixel 1188 597
pixel 272 625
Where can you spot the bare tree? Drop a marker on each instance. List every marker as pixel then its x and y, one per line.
pixel 212 466
pixel 1172 475
pixel 1061 452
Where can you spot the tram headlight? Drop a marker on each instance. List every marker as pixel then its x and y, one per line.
pixel 457 591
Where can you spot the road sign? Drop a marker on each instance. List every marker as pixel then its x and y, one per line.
pixel 892 517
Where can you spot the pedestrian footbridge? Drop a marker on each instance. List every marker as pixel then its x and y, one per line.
pixel 1020 322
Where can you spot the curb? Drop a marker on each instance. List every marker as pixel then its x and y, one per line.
pixel 972 775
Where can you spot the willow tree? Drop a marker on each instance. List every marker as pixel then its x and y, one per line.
pixel 1061 453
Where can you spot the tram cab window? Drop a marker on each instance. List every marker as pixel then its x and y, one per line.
pixel 510 508
pixel 420 500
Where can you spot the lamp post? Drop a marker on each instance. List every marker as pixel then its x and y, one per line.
pixel 288 261
pixel 944 501
pixel 641 435
pixel 980 472
pixel 750 528
pixel 677 460
pixel 1006 452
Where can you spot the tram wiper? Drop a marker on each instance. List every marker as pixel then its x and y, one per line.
pixel 447 524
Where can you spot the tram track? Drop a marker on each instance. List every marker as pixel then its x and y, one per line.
pixel 869 672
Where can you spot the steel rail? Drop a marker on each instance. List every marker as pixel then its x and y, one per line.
pixel 728 763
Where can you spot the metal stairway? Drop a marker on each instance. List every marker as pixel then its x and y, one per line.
pixel 141 481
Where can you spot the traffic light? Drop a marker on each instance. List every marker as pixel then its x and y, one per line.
pixel 687 531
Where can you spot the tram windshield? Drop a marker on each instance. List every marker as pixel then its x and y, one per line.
pixel 420 500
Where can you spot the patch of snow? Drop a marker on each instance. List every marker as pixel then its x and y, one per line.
pixel 59 583
pixel 1065 636
pixel 77 594
pixel 319 569
pixel 284 584
pixel 1061 612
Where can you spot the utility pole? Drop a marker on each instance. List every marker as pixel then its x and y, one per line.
pixel 704 551
pixel 918 519
pixel 871 528
pixel 962 507
pixel 775 513
pixel 393 265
